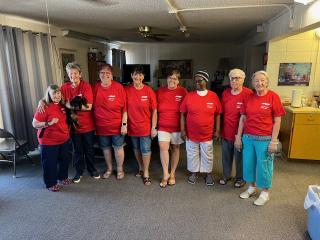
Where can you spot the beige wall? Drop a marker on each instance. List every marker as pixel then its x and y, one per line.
pixel 303 47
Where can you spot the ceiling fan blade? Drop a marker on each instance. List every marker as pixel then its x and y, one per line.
pixel 156 38
pixel 159 34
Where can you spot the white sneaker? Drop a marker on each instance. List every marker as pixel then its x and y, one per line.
pixel 248 193
pixel 262 199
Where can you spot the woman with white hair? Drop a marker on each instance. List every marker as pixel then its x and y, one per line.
pixel 200 123
pixel 232 100
pixel 260 124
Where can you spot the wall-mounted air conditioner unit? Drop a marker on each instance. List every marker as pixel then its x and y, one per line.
pixel 84 36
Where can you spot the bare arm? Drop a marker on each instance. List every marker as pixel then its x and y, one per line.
pixel 274 137
pixel 154 120
pixel 238 142
pixel 124 123
pixel 217 127
pixel 183 125
pixel 36 124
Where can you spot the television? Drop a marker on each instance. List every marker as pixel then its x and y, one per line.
pixel 128 68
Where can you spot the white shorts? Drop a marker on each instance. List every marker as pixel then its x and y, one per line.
pixel 173 138
pixel 199 156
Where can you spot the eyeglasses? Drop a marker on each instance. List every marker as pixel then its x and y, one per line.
pixel 199 80
pixel 107 73
pixel 235 78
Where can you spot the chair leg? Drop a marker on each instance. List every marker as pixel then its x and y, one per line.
pixel 14 164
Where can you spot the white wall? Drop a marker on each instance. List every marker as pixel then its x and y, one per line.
pixel 204 55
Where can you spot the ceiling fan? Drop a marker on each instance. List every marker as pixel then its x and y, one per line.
pixel 145 31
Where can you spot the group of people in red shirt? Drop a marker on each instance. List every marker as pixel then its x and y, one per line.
pixel 249 128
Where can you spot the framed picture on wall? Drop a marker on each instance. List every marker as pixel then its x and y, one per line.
pixel 294 74
pixel 184 66
pixel 66 56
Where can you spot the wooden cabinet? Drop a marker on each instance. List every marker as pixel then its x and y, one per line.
pixel 300 133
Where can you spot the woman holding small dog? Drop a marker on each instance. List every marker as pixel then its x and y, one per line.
pixel 82 137
pixel 110 115
pixel 54 140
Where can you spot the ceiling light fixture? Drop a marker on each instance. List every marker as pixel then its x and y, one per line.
pixel 304 2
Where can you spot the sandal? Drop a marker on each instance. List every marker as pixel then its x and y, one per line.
pixel 171 181
pixel 163 183
pixel 139 174
pixel 146 181
pixel 239 183
pixel 224 181
pixel 55 188
pixel 106 175
pixel 120 175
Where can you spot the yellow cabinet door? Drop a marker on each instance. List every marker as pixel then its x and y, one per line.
pixel 305 143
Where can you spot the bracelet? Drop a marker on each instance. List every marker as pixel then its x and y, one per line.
pixel 276 143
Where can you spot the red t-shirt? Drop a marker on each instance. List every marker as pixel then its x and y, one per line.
pixel 109 104
pixel 231 105
pixel 140 104
pixel 169 102
pixel 85 118
pixel 57 133
pixel 260 111
pixel 200 111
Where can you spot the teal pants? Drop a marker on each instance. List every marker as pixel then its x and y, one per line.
pixel 257 162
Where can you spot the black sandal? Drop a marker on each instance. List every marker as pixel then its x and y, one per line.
pixel 239 183
pixel 224 181
pixel 146 181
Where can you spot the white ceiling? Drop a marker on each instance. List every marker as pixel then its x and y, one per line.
pixel 119 19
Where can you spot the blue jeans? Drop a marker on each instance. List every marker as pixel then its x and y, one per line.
pixel 228 152
pixel 257 161
pixel 116 141
pixel 55 162
pixel 142 144
pixel 84 153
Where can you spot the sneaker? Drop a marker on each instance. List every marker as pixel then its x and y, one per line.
pixel 192 178
pixel 248 193
pixel 262 199
pixel 55 188
pixel 209 180
pixel 95 175
pixel 77 178
pixel 64 182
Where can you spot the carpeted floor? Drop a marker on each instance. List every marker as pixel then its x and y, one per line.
pixel 111 209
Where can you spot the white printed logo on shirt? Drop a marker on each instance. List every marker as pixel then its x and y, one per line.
pixel 144 98
pixel 239 104
pixel 265 105
pixel 209 105
pixel 111 98
pixel 178 98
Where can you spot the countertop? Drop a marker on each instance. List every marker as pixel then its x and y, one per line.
pixel 303 110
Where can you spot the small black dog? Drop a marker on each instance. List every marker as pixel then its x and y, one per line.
pixel 76 103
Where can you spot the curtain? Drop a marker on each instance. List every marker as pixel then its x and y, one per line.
pixel 118 60
pixel 25 72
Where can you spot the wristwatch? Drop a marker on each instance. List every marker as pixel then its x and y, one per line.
pixel 124 124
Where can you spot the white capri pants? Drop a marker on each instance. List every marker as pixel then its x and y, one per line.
pixel 199 156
